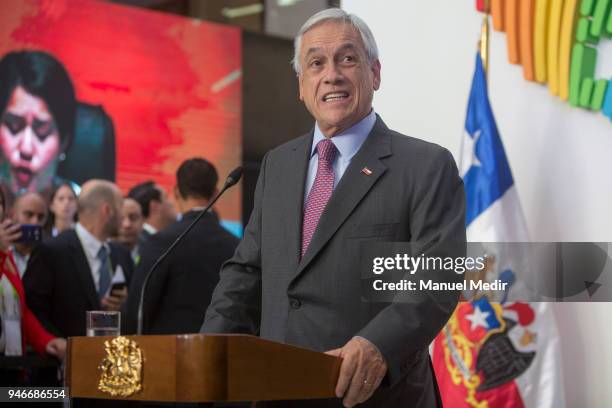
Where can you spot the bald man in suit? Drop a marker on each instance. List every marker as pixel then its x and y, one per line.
pixel 72 273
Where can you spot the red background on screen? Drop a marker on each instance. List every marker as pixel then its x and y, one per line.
pixel 162 79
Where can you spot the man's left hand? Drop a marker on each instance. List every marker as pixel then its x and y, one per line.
pixel 57 347
pixel 116 299
pixel 362 370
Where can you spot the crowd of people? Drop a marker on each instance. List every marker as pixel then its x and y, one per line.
pixel 91 251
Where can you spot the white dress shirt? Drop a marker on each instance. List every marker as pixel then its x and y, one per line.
pixel 91 246
pixel 21 261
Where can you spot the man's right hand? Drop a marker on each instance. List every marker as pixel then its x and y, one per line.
pixel 9 233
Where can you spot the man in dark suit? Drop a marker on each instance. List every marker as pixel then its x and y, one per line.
pixel 295 276
pixel 157 210
pixel 180 289
pixel 130 227
pixel 74 272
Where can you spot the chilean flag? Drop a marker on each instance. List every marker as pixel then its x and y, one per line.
pixel 496 354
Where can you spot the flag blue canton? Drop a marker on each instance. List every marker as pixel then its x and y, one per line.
pixel 486 307
pixel 489 175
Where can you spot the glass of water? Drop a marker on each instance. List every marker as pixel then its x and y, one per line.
pixel 103 323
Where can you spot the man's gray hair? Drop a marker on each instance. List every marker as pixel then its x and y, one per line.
pixel 339 15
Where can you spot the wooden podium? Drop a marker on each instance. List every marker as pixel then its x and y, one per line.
pixel 200 368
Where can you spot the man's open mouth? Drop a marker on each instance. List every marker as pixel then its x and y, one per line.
pixel 335 96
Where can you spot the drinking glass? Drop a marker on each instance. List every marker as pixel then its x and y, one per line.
pixel 103 323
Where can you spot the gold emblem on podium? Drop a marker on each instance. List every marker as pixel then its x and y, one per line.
pixel 121 368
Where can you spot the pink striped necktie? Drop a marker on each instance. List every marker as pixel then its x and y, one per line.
pixel 320 192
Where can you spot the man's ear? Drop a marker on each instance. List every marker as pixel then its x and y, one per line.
pixel 300 78
pixel 105 209
pixel 178 199
pixel 154 207
pixel 376 72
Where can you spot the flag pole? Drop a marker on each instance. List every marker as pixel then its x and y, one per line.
pixel 483 44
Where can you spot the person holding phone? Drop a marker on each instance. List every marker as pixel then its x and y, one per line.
pixel 19 325
pixel 28 216
pixel 81 269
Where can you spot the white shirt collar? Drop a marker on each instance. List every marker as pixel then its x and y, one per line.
pixel 90 243
pixel 21 261
pixel 149 228
pixel 349 141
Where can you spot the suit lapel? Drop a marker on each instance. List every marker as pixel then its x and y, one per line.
pixel 83 271
pixel 114 259
pixel 351 189
pixel 296 180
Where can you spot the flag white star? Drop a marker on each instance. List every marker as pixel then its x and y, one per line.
pixel 469 157
pixel 478 319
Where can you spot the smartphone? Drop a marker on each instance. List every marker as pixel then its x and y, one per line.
pixel 117 286
pixel 30 233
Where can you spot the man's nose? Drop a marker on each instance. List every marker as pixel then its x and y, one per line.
pixel 333 74
pixel 26 144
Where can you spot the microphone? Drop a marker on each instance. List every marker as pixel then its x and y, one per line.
pixel 232 179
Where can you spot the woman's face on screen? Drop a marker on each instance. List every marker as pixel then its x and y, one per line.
pixel 30 141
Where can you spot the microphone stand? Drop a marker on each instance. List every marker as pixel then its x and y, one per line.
pixel 232 179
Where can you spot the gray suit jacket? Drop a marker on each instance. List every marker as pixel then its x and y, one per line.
pixel 413 194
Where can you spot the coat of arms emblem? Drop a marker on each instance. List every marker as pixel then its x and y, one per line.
pixel 121 368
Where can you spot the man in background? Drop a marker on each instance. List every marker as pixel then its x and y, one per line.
pixel 157 210
pixel 180 288
pixel 77 270
pixel 131 227
pixel 28 209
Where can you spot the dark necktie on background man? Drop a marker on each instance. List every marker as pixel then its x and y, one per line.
pixel 320 192
pixel 104 272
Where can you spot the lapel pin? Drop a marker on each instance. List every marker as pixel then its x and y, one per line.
pixel 366 171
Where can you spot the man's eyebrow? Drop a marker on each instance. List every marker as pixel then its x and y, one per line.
pixel 343 47
pixel 312 51
pixel 347 46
